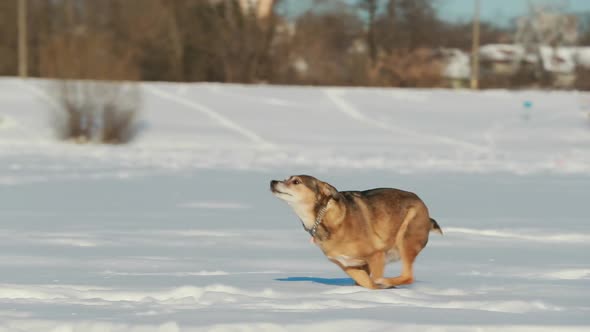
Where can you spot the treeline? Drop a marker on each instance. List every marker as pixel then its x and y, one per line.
pixel 372 42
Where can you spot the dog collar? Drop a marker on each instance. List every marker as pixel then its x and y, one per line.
pixel 318 221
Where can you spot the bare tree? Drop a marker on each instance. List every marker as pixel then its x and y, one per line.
pixel 371 7
pixel 8 43
pixel 545 26
pixel 408 24
pixel 324 42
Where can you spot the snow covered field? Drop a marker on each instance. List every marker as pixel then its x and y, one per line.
pixel 177 231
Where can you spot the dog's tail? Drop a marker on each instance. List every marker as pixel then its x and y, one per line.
pixel 435 227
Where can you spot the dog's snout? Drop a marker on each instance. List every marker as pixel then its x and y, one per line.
pixel 273 183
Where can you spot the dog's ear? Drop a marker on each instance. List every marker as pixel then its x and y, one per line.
pixel 328 190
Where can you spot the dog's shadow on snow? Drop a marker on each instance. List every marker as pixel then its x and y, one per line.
pixel 323 281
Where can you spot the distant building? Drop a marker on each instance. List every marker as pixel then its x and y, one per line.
pixel 456 67
pixel 503 59
pixel 560 63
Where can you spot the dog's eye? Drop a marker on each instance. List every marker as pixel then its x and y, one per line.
pixel 296 181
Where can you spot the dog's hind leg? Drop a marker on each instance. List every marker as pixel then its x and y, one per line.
pixel 410 241
pixel 408 256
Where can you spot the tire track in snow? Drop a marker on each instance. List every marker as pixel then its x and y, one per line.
pixel 217 88
pixel 223 121
pixel 351 111
pixel 42 94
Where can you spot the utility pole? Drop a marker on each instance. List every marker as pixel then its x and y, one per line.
pixel 22 39
pixel 475 48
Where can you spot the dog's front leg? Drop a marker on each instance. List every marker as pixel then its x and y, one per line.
pixel 376 264
pixel 361 277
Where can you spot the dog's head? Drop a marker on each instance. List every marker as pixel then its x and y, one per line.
pixel 303 190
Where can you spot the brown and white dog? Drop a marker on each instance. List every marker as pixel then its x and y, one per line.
pixel 361 231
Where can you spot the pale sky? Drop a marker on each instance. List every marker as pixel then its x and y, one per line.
pixel 495 11
pixel 501 11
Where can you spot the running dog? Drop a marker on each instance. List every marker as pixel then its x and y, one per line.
pixel 361 231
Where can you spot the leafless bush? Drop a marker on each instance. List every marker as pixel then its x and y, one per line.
pixel 104 109
pixel 92 111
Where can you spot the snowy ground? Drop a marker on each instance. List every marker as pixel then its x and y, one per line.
pixel 178 231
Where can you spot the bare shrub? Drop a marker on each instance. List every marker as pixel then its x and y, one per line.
pixel 91 111
pixel 100 111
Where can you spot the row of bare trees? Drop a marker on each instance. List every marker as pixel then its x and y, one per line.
pixel 367 42
pixel 170 40
pixel 217 40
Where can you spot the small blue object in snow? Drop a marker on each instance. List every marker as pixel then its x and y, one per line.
pixel 527 104
pixel 527 109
